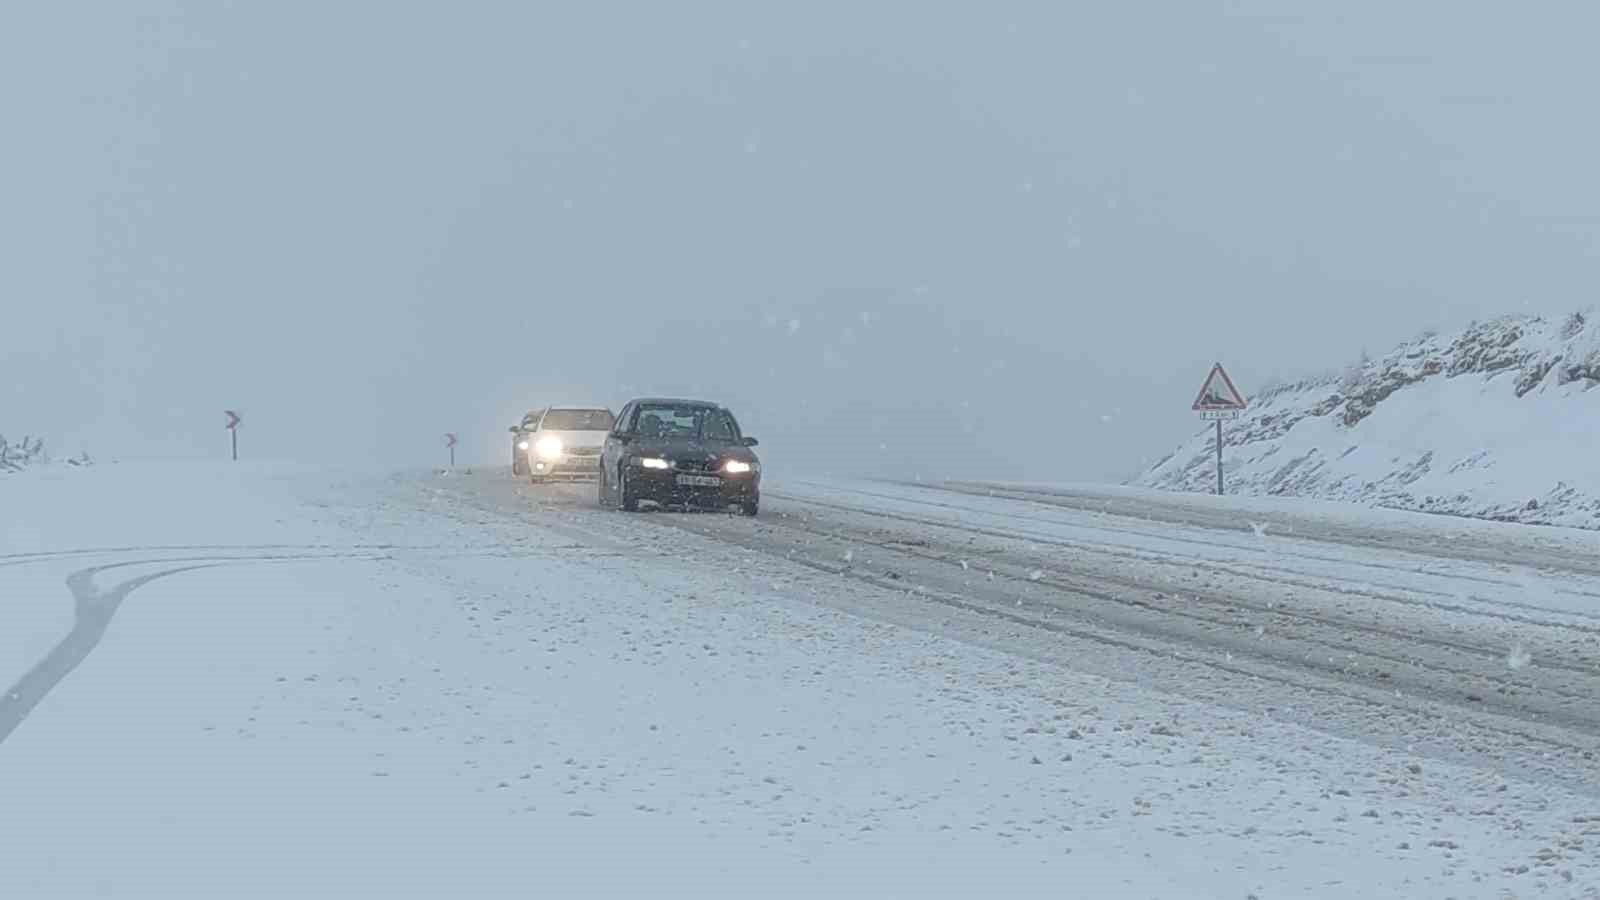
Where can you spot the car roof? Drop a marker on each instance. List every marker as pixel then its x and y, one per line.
pixel 668 401
pixel 578 409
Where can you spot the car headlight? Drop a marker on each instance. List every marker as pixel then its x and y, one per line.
pixel 655 462
pixel 522 445
pixel 736 467
pixel 549 447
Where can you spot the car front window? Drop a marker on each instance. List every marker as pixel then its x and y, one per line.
pixel 577 420
pixel 703 422
pixel 717 425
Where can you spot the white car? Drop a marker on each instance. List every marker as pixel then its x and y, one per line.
pixel 565 443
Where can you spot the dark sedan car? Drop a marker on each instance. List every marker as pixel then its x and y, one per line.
pixel 679 452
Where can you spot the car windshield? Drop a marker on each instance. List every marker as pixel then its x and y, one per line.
pixel 577 420
pixel 702 422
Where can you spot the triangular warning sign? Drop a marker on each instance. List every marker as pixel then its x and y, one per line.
pixel 1218 393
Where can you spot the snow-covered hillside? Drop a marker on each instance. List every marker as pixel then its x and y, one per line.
pixel 1496 421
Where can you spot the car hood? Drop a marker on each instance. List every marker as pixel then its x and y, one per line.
pixel 685 448
pixel 571 439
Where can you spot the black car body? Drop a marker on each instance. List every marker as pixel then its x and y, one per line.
pixel 679 453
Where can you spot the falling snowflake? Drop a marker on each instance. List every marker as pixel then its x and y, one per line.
pixel 1519 658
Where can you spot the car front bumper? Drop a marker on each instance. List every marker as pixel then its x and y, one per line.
pixel 674 488
pixel 565 468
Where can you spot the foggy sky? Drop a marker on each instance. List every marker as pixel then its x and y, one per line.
pixel 1007 239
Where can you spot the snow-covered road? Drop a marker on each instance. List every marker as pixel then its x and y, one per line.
pixel 460 685
pixel 1391 627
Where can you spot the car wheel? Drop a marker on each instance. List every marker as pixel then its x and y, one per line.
pixel 750 508
pixel 600 489
pixel 625 498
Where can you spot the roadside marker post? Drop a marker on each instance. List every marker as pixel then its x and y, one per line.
pixel 233 431
pixel 450 441
pixel 1217 401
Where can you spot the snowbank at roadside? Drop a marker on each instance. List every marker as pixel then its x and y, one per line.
pixel 29 453
pixel 1496 421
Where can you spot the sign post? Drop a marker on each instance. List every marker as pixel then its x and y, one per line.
pixel 233 431
pixel 450 441
pixel 1219 400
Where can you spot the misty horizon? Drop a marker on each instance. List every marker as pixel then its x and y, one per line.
pixel 891 239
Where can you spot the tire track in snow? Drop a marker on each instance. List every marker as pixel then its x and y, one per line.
pixel 1338 534
pixel 19 559
pixel 1209 607
pixel 93 610
pixel 1567 564
pixel 1135 553
pixel 1548 736
pixel 1103 586
pixel 1326 697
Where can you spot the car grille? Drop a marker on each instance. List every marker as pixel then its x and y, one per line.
pixel 696 465
pixel 584 451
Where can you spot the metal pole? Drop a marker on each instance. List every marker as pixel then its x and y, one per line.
pixel 1219 457
pixel 452 456
pixel 235 433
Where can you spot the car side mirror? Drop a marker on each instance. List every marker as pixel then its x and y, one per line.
pixel 751 442
pixel 622 437
pixel 514 429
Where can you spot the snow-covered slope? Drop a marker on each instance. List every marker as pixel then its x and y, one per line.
pixel 1496 421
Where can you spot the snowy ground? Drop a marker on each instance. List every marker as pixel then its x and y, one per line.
pixel 341 684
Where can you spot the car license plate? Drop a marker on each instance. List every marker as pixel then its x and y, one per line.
pixel 699 481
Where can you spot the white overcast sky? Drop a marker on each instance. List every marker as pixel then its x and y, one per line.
pixel 1005 237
